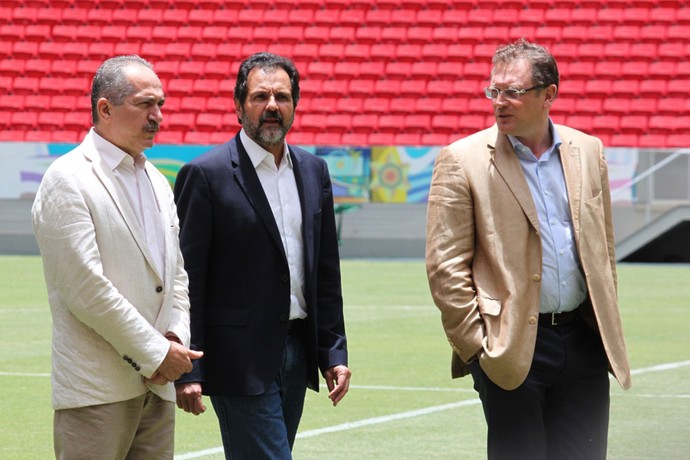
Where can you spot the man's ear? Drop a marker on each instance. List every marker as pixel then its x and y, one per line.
pixel 551 92
pixel 104 109
pixel 238 111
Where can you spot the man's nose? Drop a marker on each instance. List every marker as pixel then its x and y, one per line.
pixel 272 104
pixel 157 113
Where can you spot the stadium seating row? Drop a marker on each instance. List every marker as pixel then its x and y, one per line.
pixel 391 70
pixel 251 14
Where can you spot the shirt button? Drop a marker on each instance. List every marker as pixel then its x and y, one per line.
pixel 536 277
pixel 159 289
pixel 532 320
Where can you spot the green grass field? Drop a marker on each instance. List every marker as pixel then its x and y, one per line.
pixel 402 403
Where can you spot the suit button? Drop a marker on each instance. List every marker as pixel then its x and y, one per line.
pixel 137 368
pixel 284 278
pixel 159 289
pixel 284 318
pixel 532 320
pixel 536 277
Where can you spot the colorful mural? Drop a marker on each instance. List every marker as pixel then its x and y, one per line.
pixel 386 174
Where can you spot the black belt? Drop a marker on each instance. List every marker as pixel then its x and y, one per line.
pixel 557 319
pixel 297 325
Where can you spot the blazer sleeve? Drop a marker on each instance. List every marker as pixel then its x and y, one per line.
pixel 65 232
pixel 194 207
pixel 332 342
pixel 450 250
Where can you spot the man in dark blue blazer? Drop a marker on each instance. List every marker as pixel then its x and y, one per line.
pixel 259 240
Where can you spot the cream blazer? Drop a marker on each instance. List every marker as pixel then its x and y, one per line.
pixel 483 252
pixel 110 307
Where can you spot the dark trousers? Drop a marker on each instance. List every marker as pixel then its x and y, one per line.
pixel 561 411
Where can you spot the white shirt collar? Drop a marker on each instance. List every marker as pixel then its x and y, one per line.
pixel 111 154
pixel 258 154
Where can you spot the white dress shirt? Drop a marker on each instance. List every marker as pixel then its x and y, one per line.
pixel 134 180
pixel 280 188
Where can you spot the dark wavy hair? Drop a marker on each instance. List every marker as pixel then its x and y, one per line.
pixel 266 61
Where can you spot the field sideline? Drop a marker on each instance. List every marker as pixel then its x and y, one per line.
pixel 402 403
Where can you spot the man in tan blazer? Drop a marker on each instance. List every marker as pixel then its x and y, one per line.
pixel 107 228
pixel 520 262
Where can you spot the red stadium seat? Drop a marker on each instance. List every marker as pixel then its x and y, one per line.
pixel 25 85
pixel 355 139
pixel 447 123
pixel 50 120
pixel 407 139
pixel 417 122
pixel 356 52
pixel 327 138
pixel 77 120
pixel 190 69
pixel 338 122
pixel 633 123
pixel 352 105
pixel 180 86
pixel 617 105
pixel 24 120
pixel 217 69
pixel 623 140
pixel 197 138
pixel 361 87
pixel 208 122
pixel 179 121
pixel 651 140
pixel 205 87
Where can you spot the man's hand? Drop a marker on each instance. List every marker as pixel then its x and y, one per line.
pixel 189 398
pixel 338 382
pixel 178 361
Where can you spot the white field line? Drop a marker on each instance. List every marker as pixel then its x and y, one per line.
pixel 350 425
pixel 392 417
pixel 413 413
pixel 24 374
pixel 660 367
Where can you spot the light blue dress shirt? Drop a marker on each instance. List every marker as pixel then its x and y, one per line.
pixel 563 285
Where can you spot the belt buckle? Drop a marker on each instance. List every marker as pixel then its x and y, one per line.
pixel 553 319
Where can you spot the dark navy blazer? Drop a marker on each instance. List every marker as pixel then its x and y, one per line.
pixel 239 281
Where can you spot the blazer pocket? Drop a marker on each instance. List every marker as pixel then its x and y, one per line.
pixel 489 306
pixel 227 316
pixel 596 202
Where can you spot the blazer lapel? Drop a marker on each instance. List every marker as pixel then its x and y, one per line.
pixel 248 181
pixel 306 207
pixel 572 171
pixel 508 166
pixel 106 177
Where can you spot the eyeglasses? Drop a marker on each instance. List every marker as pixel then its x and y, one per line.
pixel 510 93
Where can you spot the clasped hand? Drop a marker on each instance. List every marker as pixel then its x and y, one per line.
pixel 178 361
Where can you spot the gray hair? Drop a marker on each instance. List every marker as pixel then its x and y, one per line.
pixel 544 67
pixel 110 81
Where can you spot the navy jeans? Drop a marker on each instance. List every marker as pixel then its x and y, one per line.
pixel 265 426
pixel 561 411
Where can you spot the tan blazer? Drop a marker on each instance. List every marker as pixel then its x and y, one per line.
pixel 483 252
pixel 110 306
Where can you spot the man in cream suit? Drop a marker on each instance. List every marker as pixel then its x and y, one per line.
pixel 107 228
pixel 520 261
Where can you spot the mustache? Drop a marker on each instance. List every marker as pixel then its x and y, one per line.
pixel 152 126
pixel 271 116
